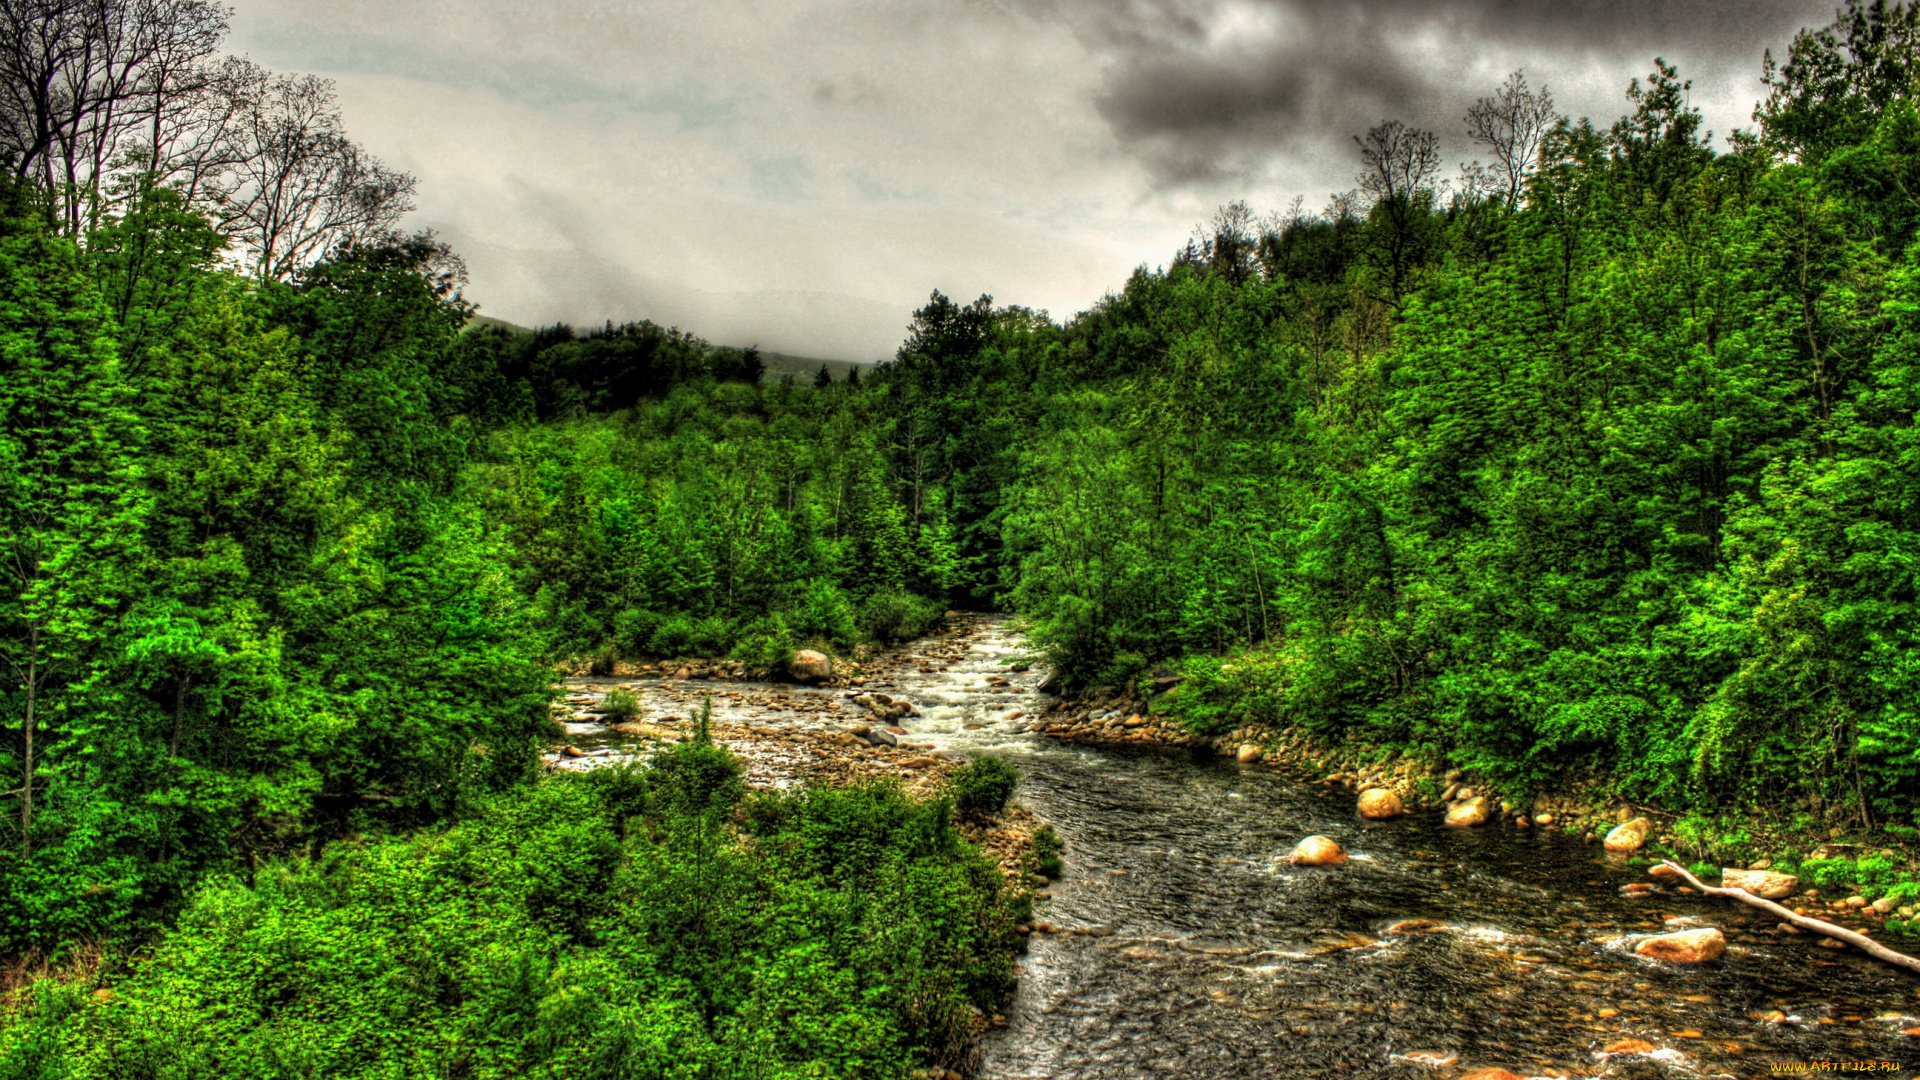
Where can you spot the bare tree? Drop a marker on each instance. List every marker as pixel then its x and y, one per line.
pixel 1344 206
pixel 1227 244
pixel 1397 162
pixel 78 79
pixel 291 186
pixel 1398 167
pixel 1513 123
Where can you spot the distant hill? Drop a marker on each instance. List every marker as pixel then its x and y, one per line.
pixel 804 367
pixel 778 364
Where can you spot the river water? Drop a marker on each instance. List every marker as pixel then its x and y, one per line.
pixel 1225 961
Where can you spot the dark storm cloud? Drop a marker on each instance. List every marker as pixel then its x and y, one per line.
pixel 1201 88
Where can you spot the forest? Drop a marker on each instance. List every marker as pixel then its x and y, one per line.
pixel 1598 459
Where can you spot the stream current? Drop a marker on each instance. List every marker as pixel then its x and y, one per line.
pixel 1226 961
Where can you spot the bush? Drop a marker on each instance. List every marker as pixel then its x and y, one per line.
pixel 673 635
pixel 1047 847
pixel 983 785
pixel 824 612
pixel 603 664
pixel 633 630
pixel 891 617
pixel 855 934
pixel 621 705
pixel 696 778
pixel 766 642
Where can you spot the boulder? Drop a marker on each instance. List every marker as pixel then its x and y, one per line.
pixel 1490 1074
pixel 1317 851
pixel 810 665
pixel 1249 753
pixel 1764 884
pixel 1629 836
pixel 1885 905
pixel 1543 819
pixel 882 737
pixel 1629 1046
pixel 1469 812
pixel 922 762
pixel 1378 804
pixel 1685 947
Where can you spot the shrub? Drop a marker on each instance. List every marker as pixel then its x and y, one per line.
pixel 711 636
pixel 1047 847
pixel 855 933
pixel 633 630
pixel 824 612
pixel 605 663
pixel 621 705
pixel 890 617
pixel 983 785
pixel 673 636
pixel 764 643
pixel 696 778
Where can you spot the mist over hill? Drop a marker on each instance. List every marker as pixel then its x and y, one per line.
pixel 534 288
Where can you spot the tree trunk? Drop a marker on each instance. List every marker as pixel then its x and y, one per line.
pixel 1839 933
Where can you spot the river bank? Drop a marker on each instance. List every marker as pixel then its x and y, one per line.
pixel 1828 881
pixel 1186 944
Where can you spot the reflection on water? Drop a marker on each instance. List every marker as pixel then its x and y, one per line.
pixel 1225 961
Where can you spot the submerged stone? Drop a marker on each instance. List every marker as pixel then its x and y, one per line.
pixel 1685 947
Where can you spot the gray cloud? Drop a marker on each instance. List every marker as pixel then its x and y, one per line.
pixel 1204 90
pixel 803 173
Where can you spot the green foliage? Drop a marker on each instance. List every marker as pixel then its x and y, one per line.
pixel 1047 847
pixel 532 941
pixel 893 617
pixel 1866 872
pixel 765 643
pixel 983 785
pixel 621 704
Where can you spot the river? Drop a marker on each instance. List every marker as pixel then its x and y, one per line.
pixel 1225 961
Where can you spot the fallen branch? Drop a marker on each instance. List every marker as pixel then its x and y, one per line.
pixel 1838 933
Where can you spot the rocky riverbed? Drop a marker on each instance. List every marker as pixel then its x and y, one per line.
pixel 1182 939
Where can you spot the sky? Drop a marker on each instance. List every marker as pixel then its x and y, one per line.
pixel 802 174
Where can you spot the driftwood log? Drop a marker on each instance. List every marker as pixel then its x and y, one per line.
pixel 1839 933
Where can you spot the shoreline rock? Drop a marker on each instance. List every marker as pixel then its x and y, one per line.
pixel 1628 836
pixel 1684 947
pixel 1764 884
pixel 1380 804
pixel 1467 813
